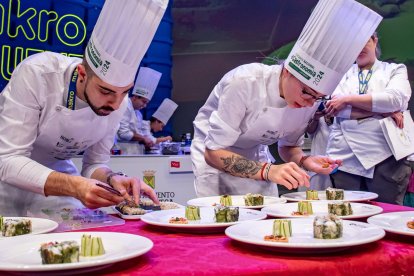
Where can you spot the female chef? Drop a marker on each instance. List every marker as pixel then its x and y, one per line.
pixel 55 107
pixel 256 105
pixel 370 90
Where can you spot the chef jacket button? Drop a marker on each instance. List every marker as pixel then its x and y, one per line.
pixel 265 109
pixel 58 108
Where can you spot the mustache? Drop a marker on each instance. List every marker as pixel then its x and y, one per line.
pixel 108 108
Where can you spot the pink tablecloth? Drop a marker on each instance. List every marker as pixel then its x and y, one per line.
pixel 215 254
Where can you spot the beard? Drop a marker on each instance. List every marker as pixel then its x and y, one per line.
pixel 100 111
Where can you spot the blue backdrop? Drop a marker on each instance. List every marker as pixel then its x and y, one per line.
pixel 64 26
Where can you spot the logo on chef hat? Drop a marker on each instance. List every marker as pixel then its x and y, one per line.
pixel 149 178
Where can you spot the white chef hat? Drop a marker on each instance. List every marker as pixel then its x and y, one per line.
pixel 146 82
pixel 121 37
pixel 330 42
pixel 165 110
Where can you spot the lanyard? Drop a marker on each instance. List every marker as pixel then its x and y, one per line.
pixel 70 102
pixel 363 84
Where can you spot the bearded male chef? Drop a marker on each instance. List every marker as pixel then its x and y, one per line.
pixel 256 105
pixel 55 107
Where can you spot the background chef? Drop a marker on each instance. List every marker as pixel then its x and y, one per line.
pixel 158 121
pixel 130 128
pixel 58 106
pixel 369 91
pixel 256 105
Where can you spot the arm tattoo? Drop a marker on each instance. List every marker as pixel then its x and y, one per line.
pixel 240 166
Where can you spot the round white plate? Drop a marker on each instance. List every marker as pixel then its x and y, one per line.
pixel 353 196
pixel 238 201
pixel 23 254
pixel 161 218
pixel 136 217
pixel 360 210
pixel 395 222
pixel 354 233
pixel 39 226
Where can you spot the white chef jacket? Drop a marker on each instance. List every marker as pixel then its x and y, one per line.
pixel 130 123
pixel 318 147
pixel 39 134
pixel 244 113
pixel 361 143
pixel 146 131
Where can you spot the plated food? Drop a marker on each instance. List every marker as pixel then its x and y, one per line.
pixel 250 201
pixel 343 209
pixel 395 222
pixel 218 217
pixel 129 210
pixel 327 227
pixel 23 254
pixel 330 194
pixel 16 226
pixel 306 234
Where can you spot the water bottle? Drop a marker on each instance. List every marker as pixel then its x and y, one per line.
pixel 187 143
pixel 188 139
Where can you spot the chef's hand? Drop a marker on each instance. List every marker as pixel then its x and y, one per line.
pixel 132 185
pixel 321 164
pixel 289 175
pixel 93 196
pixel 335 105
pixel 397 116
pixel 148 142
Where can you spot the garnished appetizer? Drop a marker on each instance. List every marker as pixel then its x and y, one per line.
pixel 59 252
pixel 226 214
pixel 334 194
pixel 312 195
pixel 91 246
pixel 327 227
pixel 410 224
pixel 130 208
pixel 304 209
pixel 178 220
pixel 340 208
pixel 282 230
pixel 16 227
pixel 192 212
pixel 226 200
pixel 253 199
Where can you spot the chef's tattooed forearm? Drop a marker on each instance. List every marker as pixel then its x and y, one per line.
pixel 240 166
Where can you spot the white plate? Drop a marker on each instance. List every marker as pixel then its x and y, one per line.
pixel 395 222
pixel 360 210
pixel 136 217
pixel 161 218
pixel 353 196
pixel 39 226
pixel 23 254
pixel 302 240
pixel 238 201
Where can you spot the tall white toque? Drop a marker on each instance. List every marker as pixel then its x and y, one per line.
pixel 330 42
pixel 165 110
pixel 146 82
pixel 121 37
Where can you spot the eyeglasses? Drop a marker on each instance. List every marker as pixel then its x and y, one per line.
pixel 311 96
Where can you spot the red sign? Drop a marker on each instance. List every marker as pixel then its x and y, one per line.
pixel 175 164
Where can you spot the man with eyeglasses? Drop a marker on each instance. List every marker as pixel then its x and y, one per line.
pixel 256 105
